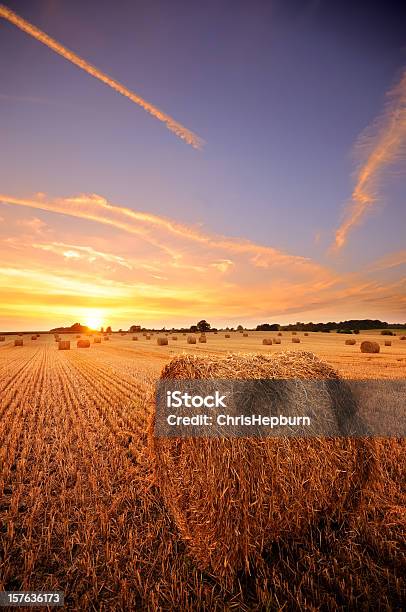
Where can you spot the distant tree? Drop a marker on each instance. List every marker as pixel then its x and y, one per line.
pixel 203 326
pixel 102 330
pixel 386 332
pixel 108 330
pixel 240 328
pixel 193 328
pixel 135 328
pixel 268 327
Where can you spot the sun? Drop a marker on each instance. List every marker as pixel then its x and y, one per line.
pixel 93 319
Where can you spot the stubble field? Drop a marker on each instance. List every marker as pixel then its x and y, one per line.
pixel 80 510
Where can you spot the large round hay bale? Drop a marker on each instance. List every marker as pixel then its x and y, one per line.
pixel 202 339
pixel 350 342
pixel 18 342
pixel 83 343
pixel 64 345
pixel 267 341
pixel 232 497
pixel 388 343
pixel 370 347
pixel 296 340
pixel 162 341
pixel 191 339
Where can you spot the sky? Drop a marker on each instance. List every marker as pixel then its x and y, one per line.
pixel 253 169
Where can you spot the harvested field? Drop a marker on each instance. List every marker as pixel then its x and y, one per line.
pixel 82 509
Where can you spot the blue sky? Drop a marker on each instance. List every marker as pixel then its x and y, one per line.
pixel 280 92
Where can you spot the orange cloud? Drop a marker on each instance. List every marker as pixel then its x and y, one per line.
pixel 385 147
pixel 172 273
pixel 36 33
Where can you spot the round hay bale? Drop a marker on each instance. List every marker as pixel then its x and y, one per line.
pixel 202 338
pixel 294 333
pixel 148 337
pixel 2 338
pixel 350 341
pixel 64 345
pixel 388 343
pixel 277 341
pixel 232 497
pixel 135 337
pixel 279 333
pixel 97 340
pixel 226 335
pixel 174 337
pixel 33 337
pixel 267 341
pixel 18 342
pixel 215 333
pixel 245 335
pixel 370 347
pixel 402 338
pixel 106 338
pixel 78 336
pixel 162 341
pixel 83 343
pixel 306 334
pixel 191 340
pixel 296 340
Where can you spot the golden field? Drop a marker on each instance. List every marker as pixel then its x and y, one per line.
pixel 80 510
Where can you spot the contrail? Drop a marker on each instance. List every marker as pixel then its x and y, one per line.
pixel 386 148
pixel 36 33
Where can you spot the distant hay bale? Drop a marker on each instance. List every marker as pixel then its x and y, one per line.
pixel 388 343
pixel 230 498
pixel 191 339
pixel 402 338
pixel 64 345
pixel 267 341
pixel 148 337
pixel 184 334
pixel 306 334
pixel 279 333
pixel 135 337
pixel 296 340
pixel 370 347
pixel 245 335
pixel 294 333
pixel 97 340
pixel 33 337
pixel 106 338
pixel 162 341
pixel 350 342
pixel 83 343
pixel 18 342
pixel 78 336
pixel 2 338
pixel 202 338
pixel 226 335
pixel 215 333
pixel 277 341
pixel 174 337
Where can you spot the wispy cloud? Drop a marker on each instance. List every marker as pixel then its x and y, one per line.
pixel 182 132
pixel 171 273
pixel 384 142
